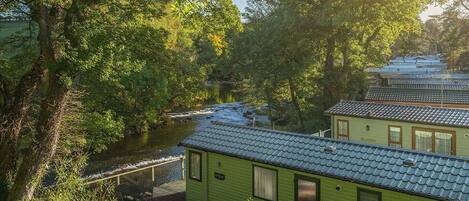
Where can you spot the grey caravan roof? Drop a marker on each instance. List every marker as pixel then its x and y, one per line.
pixel 433 176
pixel 417 95
pixel 403 113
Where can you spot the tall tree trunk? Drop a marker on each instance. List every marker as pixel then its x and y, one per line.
pixel 346 61
pixel 270 103
pixel 329 82
pixel 37 157
pixel 4 92
pixel 346 75
pixel 295 102
pixel 11 120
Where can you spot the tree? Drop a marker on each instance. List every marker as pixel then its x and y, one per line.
pixel 174 77
pixel 424 40
pixel 455 35
pixel 132 60
pixel 311 54
pixel 74 39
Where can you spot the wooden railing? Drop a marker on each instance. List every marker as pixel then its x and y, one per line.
pixel 124 172
pixel 323 133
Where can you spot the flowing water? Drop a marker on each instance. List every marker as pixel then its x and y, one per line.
pixel 162 142
pixel 159 143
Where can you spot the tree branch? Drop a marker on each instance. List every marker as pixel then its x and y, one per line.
pixel 45 42
pixel 5 90
pixel 371 38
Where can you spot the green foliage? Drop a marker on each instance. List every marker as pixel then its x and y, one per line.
pixel 446 34
pixel 69 186
pixel 211 25
pixel 211 19
pixel 83 133
pixel 455 35
pixel 301 57
pixel 101 130
pixel 121 66
pixel 174 63
pixel 115 40
pixel 426 40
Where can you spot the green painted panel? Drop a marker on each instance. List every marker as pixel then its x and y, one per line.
pixel 378 133
pixel 196 190
pixel 237 183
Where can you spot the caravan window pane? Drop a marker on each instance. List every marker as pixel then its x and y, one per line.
pixel 435 140
pixel 265 183
pixel 368 195
pixel 342 130
pixel 395 135
pixel 443 143
pixel 423 140
pixel 195 165
pixel 307 190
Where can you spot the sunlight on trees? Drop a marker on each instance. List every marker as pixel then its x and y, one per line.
pixel 131 61
pixel 79 75
pixel 305 56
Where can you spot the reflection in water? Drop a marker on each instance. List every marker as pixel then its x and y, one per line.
pixel 162 142
pixel 132 149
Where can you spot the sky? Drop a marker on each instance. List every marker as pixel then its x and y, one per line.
pixel 241 4
pixel 431 10
pixel 425 15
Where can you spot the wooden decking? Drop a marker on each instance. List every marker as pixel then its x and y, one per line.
pixel 173 197
pixel 173 191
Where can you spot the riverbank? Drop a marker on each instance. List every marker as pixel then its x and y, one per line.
pixel 162 142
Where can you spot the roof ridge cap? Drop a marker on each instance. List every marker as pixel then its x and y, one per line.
pixel 258 128
pixel 422 89
pixel 464 159
pixel 403 106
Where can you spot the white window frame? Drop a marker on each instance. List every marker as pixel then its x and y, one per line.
pixel 191 153
pixel 256 192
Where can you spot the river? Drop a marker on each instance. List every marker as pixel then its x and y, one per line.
pixel 163 142
pixel 133 149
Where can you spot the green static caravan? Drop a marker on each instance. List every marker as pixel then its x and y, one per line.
pixel 229 162
pixel 440 130
pixel 450 98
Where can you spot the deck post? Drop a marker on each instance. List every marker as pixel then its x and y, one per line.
pixel 118 180
pixel 153 174
pixel 182 168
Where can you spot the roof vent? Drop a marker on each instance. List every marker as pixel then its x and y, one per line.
pixel 330 149
pixel 368 113
pixel 410 162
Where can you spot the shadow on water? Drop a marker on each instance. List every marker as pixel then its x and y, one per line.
pixel 162 142
pixel 158 143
